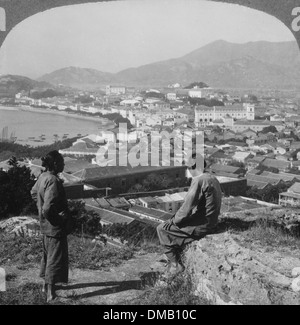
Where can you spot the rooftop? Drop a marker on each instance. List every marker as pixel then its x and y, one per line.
pixel 111 171
pixel 154 213
pixel 110 216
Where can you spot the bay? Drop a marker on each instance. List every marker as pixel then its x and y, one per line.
pixel 37 127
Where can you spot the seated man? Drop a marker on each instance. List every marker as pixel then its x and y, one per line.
pixel 196 218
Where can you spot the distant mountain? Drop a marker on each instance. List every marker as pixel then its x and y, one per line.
pixel 78 77
pixel 219 64
pixel 12 84
pixel 285 54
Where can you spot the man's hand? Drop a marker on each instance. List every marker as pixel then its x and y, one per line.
pixel 167 225
pixel 64 214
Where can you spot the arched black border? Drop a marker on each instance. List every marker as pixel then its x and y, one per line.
pixel 19 10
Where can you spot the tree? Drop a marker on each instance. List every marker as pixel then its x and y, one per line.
pixel 137 188
pixel 268 129
pixel 268 194
pixel 197 84
pixel 85 222
pixel 15 186
pixel 155 182
pixel 121 119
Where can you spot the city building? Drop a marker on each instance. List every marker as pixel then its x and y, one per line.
pixel 205 115
pixel 291 197
pixel 115 90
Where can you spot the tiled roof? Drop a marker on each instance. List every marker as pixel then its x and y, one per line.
pixel 148 199
pixel 102 202
pixel 295 188
pixel 111 216
pixel 284 177
pixel 291 194
pixel 253 172
pixel 89 174
pixel 259 184
pixel 225 168
pixel 241 155
pixel 92 202
pixel 266 179
pixel 118 201
pixel 237 144
pixel 175 197
pixel 257 159
pixel 154 213
pixel 275 163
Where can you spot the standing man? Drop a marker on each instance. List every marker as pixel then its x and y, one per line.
pixel 50 196
pixel 197 217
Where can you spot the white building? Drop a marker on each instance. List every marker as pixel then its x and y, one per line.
pixel 130 102
pixel 115 90
pixel 171 96
pixel 195 93
pixel 204 115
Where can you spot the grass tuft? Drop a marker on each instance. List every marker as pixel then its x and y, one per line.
pixel 178 290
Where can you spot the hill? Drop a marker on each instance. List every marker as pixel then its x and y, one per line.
pixel 12 84
pixel 219 64
pixel 253 259
pixel 78 77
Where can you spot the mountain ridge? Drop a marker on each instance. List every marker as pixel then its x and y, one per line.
pixel 206 64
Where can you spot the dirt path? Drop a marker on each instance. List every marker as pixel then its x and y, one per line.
pixel 113 286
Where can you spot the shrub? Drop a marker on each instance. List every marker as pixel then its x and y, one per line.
pixel 85 254
pixel 15 188
pixel 85 222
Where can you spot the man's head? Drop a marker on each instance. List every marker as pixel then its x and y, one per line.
pixel 196 165
pixel 53 162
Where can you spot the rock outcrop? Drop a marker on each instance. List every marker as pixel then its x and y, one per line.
pixel 226 271
pixel 21 226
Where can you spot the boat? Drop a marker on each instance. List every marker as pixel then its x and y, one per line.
pixel 6 138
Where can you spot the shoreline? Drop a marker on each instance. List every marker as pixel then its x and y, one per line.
pixel 99 122
pixel 103 121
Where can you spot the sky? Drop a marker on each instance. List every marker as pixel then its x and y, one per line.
pixel 112 36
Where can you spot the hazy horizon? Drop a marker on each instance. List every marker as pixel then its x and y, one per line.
pixel 114 36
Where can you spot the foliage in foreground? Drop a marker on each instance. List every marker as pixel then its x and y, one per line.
pixel 136 234
pixel 270 235
pixel 15 186
pixel 84 222
pixel 83 253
